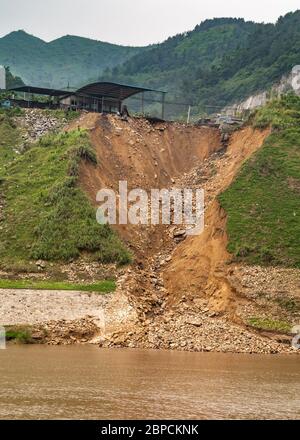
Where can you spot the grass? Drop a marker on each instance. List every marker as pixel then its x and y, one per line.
pixel 280 113
pixel 18 334
pixel 12 111
pixel 262 204
pixel 10 139
pixel 46 214
pixel 105 286
pixel 269 324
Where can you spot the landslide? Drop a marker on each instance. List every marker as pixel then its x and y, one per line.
pixel 181 293
pixel 199 265
pixel 162 155
pixel 147 155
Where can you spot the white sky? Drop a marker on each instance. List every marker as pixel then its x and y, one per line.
pixel 132 22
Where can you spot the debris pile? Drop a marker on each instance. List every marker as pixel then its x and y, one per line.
pixel 80 331
pixel 36 123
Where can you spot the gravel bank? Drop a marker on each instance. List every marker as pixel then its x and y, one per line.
pixel 39 306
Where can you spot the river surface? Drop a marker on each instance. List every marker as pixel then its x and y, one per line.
pixel 85 382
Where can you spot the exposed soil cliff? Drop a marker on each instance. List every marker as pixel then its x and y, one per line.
pixel 182 295
pixel 146 156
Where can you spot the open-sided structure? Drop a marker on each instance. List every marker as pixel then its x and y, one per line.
pixel 104 97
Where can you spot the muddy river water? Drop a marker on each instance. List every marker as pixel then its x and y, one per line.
pixel 41 382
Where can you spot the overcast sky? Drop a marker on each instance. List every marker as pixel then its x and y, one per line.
pixel 133 22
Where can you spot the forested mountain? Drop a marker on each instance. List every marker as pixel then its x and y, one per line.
pixel 179 58
pixel 219 62
pixel 69 59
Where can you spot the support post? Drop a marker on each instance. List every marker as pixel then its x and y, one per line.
pixel 143 99
pixel 189 115
pixel 163 96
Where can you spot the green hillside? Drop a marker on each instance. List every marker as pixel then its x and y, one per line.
pixel 172 63
pixel 219 62
pixel 44 214
pixel 263 202
pixel 69 59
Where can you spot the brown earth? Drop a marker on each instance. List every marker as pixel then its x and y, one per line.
pixel 183 293
pixel 200 263
pixel 146 156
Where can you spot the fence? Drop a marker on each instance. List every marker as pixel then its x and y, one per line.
pixel 154 104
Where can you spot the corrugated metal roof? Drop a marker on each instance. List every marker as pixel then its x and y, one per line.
pixel 111 90
pixel 98 90
pixel 40 91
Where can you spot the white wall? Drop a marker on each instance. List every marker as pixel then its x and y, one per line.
pixel 2 78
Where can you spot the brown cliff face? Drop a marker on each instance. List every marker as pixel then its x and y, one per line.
pixel 200 264
pixel 178 294
pixel 146 156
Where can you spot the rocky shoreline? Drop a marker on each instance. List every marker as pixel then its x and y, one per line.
pixel 186 335
pixel 189 326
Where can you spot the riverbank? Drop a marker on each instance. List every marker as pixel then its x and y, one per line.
pixel 40 306
pixel 67 318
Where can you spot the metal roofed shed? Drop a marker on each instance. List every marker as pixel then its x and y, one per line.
pixel 106 97
pixel 40 91
pixel 103 97
pixel 112 90
pixel 29 100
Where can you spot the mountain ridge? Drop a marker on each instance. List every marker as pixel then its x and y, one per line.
pixel 68 59
pixel 220 62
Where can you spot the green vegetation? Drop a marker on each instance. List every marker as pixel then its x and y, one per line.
pixel 269 324
pixel 221 61
pixel 46 215
pixel 10 113
pixel 67 60
pixel 263 202
pixel 281 114
pixel 105 286
pixel 171 63
pixel 10 139
pixel 182 64
pixel 21 335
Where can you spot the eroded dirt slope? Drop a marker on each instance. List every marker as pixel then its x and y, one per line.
pixel 183 293
pixel 147 156
pixel 200 263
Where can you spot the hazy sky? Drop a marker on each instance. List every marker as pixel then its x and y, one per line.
pixel 134 22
